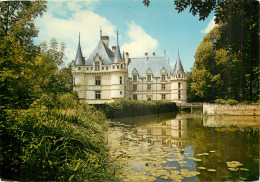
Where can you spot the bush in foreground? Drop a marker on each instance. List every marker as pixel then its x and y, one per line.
pixel 61 143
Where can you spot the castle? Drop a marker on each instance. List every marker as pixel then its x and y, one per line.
pixel 106 76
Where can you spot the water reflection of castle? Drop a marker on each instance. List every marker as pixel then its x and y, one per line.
pixel 169 132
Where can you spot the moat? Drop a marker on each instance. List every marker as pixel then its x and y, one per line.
pixel 185 147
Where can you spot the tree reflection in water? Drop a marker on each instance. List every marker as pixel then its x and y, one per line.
pixel 185 147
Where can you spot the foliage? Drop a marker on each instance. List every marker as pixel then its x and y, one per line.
pixel 62 143
pixel 52 79
pixel 220 101
pixel 237 49
pixel 232 101
pixel 129 107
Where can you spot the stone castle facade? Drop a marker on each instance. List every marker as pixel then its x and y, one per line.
pixel 106 76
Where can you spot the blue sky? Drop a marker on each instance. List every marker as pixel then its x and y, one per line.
pixel 154 29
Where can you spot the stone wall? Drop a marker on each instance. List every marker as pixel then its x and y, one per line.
pixel 236 110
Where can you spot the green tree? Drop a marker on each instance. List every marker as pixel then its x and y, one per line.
pixel 17 51
pixel 53 78
pixel 239 38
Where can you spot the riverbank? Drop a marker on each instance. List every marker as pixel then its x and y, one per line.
pixel 232 110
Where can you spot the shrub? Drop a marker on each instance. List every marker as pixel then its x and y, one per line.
pixel 220 101
pixel 58 144
pixel 232 102
pixel 128 107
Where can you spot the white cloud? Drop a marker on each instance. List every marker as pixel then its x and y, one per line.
pixel 65 19
pixel 67 30
pixel 210 26
pixel 140 41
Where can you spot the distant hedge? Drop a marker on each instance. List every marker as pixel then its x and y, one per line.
pixel 128 107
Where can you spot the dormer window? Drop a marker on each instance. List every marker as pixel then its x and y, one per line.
pixel 149 77
pixel 79 68
pixel 97 66
pixel 135 78
pixel 163 77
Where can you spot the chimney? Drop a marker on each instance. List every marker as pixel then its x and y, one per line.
pixel 153 54
pixel 146 55
pixel 113 49
pixel 105 39
pixel 126 58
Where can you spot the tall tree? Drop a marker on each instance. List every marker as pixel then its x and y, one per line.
pixel 17 51
pixel 240 22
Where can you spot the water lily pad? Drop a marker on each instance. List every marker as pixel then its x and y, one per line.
pixel 211 170
pixel 233 169
pixel 205 154
pixel 212 151
pixel 233 164
pixel 164 177
pixel 188 174
pixel 244 169
pixel 202 168
pixel 151 178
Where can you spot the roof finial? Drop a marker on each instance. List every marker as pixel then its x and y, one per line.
pixel 117 35
pixel 100 32
pixel 164 53
pixel 178 52
pixel 79 37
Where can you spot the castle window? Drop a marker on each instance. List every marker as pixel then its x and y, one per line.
pixel 79 68
pixel 121 92
pixel 163 96
pixel 135 97
pixel 106 68
pixel 134 78
pixel 117 67
pixel 113 67
pixel 179 85
pixel 163 77
pixel 87 68
pixel 163 86
pixel 121 66
pixel 98 94
pixel 98 80
pixel 149 86
pixel 179 75
pixel 134 87
pixel 102 68
pixel 97 67
pixel 121 80
pixel 149 77
pixel 179 94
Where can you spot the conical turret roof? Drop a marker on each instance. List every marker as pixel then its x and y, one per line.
pixel 79 58
pixel 103 51
pixel 178 65
pixel 117 56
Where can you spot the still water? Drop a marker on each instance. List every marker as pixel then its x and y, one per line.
pixel 185 147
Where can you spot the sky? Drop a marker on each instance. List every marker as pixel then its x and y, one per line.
pixel 157 28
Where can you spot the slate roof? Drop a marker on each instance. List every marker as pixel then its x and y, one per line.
pixel 117 55
pixel 79 58
pixel 155 64
pixel 178 65
pixel 103 51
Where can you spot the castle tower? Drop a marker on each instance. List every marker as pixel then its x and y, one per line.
pixel 77 72
pixel 179 83
pixel 118 78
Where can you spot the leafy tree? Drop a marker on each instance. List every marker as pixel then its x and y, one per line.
pixel 52 79
pixel 239 40
pixel 17 51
